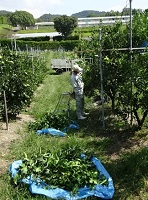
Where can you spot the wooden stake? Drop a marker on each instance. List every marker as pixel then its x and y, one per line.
pixel 6 113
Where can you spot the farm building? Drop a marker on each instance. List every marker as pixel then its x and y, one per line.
pixel 93 21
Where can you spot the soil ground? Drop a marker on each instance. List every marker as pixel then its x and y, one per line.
pixel 10 135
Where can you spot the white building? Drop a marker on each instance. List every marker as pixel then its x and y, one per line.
pixel 93 21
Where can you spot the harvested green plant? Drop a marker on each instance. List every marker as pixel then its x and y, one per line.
pixel 65 169
pixel 50 120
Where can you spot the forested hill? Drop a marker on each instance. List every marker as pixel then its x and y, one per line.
pixel 85 13
pixel 4 12
pixel 88 13
pixel 48 17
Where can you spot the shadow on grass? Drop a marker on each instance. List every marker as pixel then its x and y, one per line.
pixel 117 134
pixel 130 172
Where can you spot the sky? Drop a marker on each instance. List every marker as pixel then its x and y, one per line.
pixel 68 7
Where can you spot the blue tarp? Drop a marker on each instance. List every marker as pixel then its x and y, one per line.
pixel 73 126
pixel 51 131
pixel 37 187
pixel 56 132
pixel 144 44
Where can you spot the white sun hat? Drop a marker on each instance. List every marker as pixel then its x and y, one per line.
pixel 76 68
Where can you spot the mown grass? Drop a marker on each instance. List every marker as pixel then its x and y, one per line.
pixel 5 30
pixel 41 29
pixel 46 98
pixel 83 32
pixel 116 146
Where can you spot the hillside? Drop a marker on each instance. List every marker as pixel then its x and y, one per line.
pixel 85 13
pixel 48 17
pixel 4 12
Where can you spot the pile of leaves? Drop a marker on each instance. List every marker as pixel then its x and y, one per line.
pixel 50 120
pixel 65 169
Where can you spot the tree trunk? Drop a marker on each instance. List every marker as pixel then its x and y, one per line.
pixel 140 122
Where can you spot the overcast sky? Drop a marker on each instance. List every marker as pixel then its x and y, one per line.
pixel 68 7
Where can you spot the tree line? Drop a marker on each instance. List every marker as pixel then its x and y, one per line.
pixel 63 24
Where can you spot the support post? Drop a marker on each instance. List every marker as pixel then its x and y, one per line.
pixel 131 109
pixel 101 80
pixel 6 114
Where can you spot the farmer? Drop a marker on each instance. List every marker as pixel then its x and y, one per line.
pixel 78 88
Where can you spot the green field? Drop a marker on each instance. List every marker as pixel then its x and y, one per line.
pixel 6 30
pixel 41 29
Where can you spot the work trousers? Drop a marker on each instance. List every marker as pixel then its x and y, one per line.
pixel 79 104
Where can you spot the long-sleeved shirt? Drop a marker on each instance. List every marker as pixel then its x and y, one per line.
pixel 77 83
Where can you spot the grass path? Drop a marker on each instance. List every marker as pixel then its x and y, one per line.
pixel 47 95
